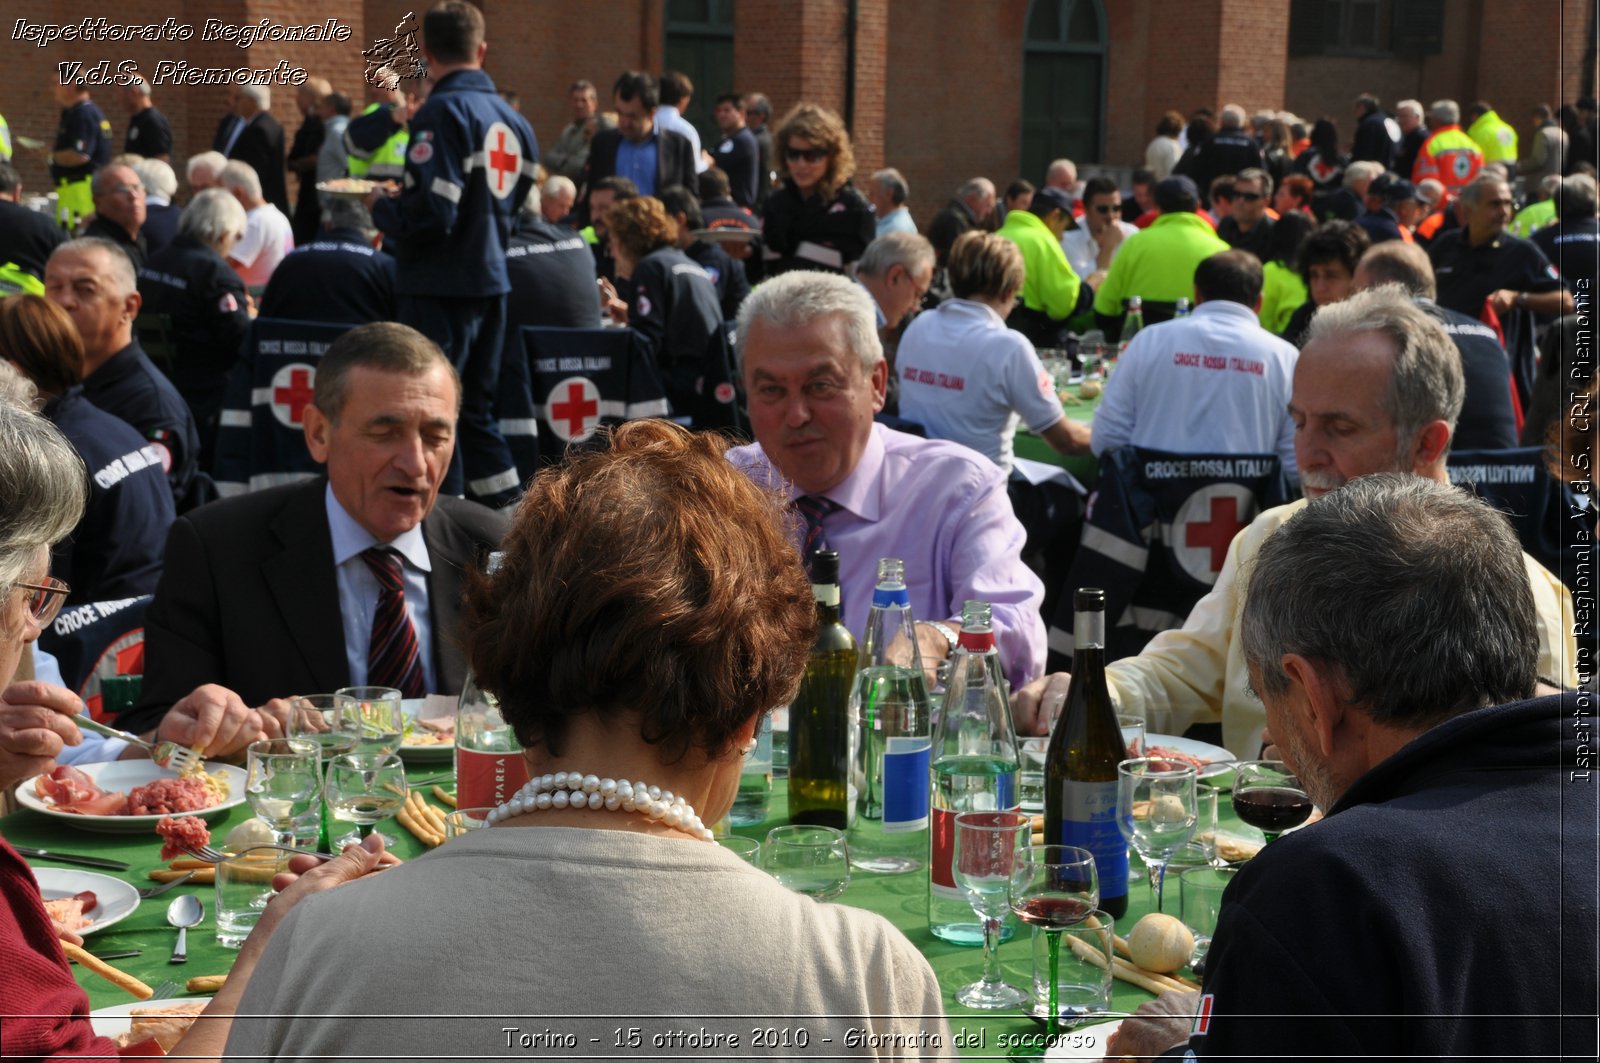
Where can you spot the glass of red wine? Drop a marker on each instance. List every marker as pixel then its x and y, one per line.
pixel 1059 888
pixel 1268 796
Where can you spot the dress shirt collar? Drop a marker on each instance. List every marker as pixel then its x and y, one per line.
pixel 861 491
pixel 1225 307
pixel 350 538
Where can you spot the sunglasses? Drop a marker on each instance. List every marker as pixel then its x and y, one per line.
pixel 1248 197
pixel 806 154
pixel 45 601
pixel 1106 208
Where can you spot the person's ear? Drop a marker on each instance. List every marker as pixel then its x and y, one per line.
pixel 319 431
pixel 1429 447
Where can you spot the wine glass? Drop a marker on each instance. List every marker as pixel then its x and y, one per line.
pixel 364 789
pixel 1058 889
pixel 1267 795
pixel 323 719
pixel 1156 812
pixel 810 860
pixel 989 862
pixel 283 777
pixel 377 716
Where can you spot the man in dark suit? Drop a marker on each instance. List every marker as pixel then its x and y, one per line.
pixel 349 580
pixel 260 143
pixel 229 125
pixel 652 158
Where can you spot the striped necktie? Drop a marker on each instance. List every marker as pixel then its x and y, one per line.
pixel 393 659
pixel 813 508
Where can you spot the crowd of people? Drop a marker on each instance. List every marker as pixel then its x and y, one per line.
pixel 1353 308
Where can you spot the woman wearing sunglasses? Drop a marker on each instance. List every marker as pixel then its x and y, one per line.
pixel 816 219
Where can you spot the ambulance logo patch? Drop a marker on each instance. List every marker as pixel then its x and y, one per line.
pixel 420 152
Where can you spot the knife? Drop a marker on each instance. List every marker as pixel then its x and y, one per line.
pixel 71 858
pixel 124 955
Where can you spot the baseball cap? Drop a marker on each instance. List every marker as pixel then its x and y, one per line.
pixel 1394 189
pixel 1047 199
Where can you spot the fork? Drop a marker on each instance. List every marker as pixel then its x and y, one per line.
pixel 215 856
pixel 158 890
pixel 168 755
pixel 166 990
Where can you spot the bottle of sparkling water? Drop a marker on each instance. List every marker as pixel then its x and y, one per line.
pixel 1182 309
pixel 489 763
pixel 975 768
pixel 890 740
pixel 1132 321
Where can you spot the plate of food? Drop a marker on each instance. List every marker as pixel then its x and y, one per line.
pixel 83 901
pixel 164 1020
pixel 1206 759
pixel 430 733
pixel 354 187
pixel 131 796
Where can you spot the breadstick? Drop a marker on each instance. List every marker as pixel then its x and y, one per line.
pixel 1127 972
pixel 434 818
pixel 189 863
pixel 445 796
pixel 204 876
pixel 120 979
pixel 1167 982
pixel 407 818
pixel 206 983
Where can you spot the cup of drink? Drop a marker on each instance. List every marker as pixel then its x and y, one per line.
pixel 1030 780
pixel 1083 968
pixel 1201 850
pixel 1133 734
pixel 243 884
pixel 463 820
pixel 755 780
pixel 1200 901
pixel 746 849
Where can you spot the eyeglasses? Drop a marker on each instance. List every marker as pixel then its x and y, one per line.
pixel 45 601
pixel 1106 208
pixel 806 154
pixel 1248 197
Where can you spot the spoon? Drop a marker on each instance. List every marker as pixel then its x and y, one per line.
pixel 184 912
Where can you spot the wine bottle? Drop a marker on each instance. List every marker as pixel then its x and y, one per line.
pixel 490 767
pixel 1080 765
pixel 890 740
pixel 1132 321
pixel 975 768
pixel 819 716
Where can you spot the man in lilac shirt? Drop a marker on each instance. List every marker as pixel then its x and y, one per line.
pixel 815 374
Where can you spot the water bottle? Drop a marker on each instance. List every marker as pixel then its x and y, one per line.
pixel 489 764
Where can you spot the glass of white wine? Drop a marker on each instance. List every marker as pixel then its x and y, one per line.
pixel 283 777
pixel 365 789
pixel 377 716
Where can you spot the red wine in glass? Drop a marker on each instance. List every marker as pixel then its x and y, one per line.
pixel 1272 809
pixel 1052 913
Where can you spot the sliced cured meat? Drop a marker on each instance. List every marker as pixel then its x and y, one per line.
pixel 70 790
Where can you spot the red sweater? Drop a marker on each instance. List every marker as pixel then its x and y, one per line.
pixel 45 1012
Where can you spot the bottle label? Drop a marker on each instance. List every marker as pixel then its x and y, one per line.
pixel 884 597
pixel 976 641
pixel 825 593
pixel 905 783
pixel 941 865
pixel 488 778
pixel 1089 821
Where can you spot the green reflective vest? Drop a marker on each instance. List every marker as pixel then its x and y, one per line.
pixel 14 280
pixel 386 163
pixel 1157 264
pixel 1494 138
pixel 1533 216
pixel 1049 284
pixel 5 138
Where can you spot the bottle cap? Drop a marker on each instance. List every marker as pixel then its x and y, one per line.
pixel 1089 599
pixel 825 567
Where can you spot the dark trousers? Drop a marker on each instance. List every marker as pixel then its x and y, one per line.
pixel 471 331
pixel 1052 515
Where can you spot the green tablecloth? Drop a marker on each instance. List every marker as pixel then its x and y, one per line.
pixel 899 898
pixel 1027 445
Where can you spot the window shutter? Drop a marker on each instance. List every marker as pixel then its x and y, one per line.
pixel 1306 21
pixel 1418 27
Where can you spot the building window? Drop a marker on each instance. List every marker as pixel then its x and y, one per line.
pixel 699 42
pixel 1370 28
pixel 1063 83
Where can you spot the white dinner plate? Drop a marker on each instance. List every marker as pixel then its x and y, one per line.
pixel 1083 1042
pixel 1201 750
pixel 424 752
pixel 114 1021
pixel 115 898
pixel 124 775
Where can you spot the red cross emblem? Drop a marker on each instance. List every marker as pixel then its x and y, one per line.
pixel 504 159
pixel 292 392
pixel 1205 526
pixel 574 409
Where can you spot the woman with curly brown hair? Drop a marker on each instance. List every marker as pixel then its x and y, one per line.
pixel 816 219
pixel 648 612
pixel 672 301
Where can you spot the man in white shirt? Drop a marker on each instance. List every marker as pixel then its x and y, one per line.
pixel 1092 245
pixel 888 191
pixel 267 233
pixel 676 91
pixel 1212 382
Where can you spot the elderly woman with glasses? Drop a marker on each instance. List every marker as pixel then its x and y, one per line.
pixel 43 1012
pixel 816 219
pixel 648 612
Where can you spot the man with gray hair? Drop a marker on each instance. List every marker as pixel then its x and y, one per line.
pixel 1408 116
pixel 204 170
pixel 1391 638
pixel 1377 388
pixel 814 370
pixel 260 144
pixel 149 132
pixel 268 234
pixel 1572 244
pixel 1448 155
pixel 1481 265
pixel 557 199
pixel 1229 151
pixel 896 270
pixel 160 213
pixel 119 210
pixel 343 276
pixel 93 281
pixel 888 191
pixel 972 208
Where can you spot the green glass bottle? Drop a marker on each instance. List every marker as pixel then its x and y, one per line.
pixel 819 717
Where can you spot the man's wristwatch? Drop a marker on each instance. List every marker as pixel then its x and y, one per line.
pixel 947 631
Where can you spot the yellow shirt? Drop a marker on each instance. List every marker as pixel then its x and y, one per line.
pixel 1196 673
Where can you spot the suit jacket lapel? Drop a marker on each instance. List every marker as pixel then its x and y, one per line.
pixel 452 552
pixel 305 588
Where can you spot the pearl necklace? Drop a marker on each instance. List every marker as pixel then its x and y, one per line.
pixel 573 789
